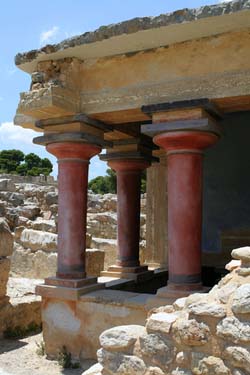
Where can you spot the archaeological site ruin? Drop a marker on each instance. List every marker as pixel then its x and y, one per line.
pixel 142 284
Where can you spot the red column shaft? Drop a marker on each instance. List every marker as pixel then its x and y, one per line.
pixel 128 210
pixel 72 208
pixel 73 160
pixel 184 155
pixel 128 217
pixel 184 217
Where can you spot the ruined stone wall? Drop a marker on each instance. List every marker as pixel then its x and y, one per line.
pixel 203 334
pixel 30 210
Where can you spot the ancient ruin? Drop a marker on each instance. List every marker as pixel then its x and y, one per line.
pixel 170 95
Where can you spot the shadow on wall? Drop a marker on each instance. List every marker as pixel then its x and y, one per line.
pixel 226 183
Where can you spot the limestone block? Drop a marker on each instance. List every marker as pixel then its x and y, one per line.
pixel 29 211
pixel 158 351
pixel 190 332
pixel 117 363
pixel 94 262
pixel 6 239
pixel 154 371
pixel 94 370
pixel 181 371
pixel 7 185
pixel 43 225
pixel 179 304
pixel 16 199
pixel 182 359
pixel 238 357
pixel 231 329
pixel 241 300
pixel 4 275
pixel 38 265
pixel 212 309
pixel 36 240
pixel 161 322
pixel 211 366
pixel 224 293
pixel 243 254
pixel 121 338
pixel 51 198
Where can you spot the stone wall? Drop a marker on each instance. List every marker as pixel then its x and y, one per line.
pixel 30 209
pixel 19 308
pixel 203 334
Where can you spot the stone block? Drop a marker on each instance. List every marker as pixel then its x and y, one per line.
pixel 37 240
pixel 6 239
pixel 7 185
pixel 94 262
pixel 4 275
pixel 121 339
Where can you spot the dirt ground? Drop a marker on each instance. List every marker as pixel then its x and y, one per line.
pixel 19 357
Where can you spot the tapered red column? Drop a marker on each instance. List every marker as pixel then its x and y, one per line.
pixel 184 154
pixel 73 162
pixel 128 210
pixel 128 172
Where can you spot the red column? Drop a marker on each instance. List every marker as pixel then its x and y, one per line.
pixel 184 154
pixel 73 162
pixel 128 174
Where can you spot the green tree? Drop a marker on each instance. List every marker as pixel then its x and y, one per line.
pixel 14 161
pixel 107 184
pixel 10 160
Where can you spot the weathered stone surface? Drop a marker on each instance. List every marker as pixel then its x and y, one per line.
pixel 4 274
pixel 190 332
pixel 51 198
pixel 43 225
pixel 119 364
pixel 29 211
pixel 37 240
pixel 94 262
pixel 135 25
pixel 233 330
pixel 39 264
pixel 180 303
pixel 182 359
pixel 161 322
pixel 7 185
pixel 154 371
pixel 241 300
pixel 159 350
pixel 213 310
pixel 121 338
pixel 211 366
pixel 6 239
pixel 181 371
pixel 94 370
pixel 243 254
pixel 238 357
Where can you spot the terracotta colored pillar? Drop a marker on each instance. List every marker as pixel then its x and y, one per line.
pixel 73 162
pixel 128 174
pixel 184 159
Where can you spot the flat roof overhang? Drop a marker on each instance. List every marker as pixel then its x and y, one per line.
pixel 146 33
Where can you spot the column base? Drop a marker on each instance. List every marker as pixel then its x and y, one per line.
pixel 138 273
pixel 170 293
pixel 67 289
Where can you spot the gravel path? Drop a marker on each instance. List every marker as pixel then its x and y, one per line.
pixel 18 357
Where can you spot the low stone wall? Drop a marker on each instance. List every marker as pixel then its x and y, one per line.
pixel 203 334
pixel 19 307
pixel 30 209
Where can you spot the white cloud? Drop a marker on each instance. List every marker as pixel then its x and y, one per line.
pixel 49 35
pixel 224 1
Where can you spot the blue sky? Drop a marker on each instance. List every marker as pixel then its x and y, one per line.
pixel 26 25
